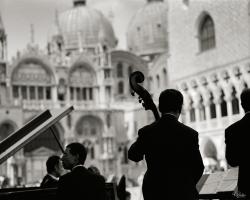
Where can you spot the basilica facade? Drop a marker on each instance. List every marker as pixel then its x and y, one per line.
pixel 199 47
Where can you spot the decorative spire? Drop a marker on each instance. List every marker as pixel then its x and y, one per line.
pixel 80 45
pixel 1 23
pixel 56 24
pixel 111 15
pixel 2 32
pixel 149 1
pixel 56 17
pixel 32 37
pixel 79 3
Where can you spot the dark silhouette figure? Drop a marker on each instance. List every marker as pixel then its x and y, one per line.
pixel 128 195
pixel 96 171
pixel 54 170
pixel 171 150
pixel 79 182
pixel 237 139
pixel 121 188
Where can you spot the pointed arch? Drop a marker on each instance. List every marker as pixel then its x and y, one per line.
pixel 206 32
pixel 158 81
pixel 212 106
pixel 165 78
pixel 223 104
pixel 235 102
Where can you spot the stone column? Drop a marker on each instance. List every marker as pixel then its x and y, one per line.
pixel 228 99
pixel 74 94
pixel 196 104
pixel 206 102
pixel 95 95
pixel 217 101
pixel 207 110
pixel 185 119
pixel 28 92
pixel 239 87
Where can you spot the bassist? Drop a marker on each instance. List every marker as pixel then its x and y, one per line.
pixel 171 150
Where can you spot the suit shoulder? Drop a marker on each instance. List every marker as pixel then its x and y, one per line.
pixel 100 178
pixel 189 129
pixel 147 127
pixel 234 125
pixel 65 176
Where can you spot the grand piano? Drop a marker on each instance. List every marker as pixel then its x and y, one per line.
pixel 17 140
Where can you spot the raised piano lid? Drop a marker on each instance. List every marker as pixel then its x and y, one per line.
pixel 21 137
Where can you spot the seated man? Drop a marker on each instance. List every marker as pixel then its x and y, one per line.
pixel 79 182
pixel 54 170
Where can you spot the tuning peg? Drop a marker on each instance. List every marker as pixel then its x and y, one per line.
pixel 133 93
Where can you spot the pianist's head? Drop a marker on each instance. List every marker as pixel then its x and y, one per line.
pixel 54 165
pixel 75 154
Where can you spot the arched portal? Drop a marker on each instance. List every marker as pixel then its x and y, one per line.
pixel 209 154
pixel 6 128
pixel 82 79
pixel 89 126
pixel 210 149
pixel 89 130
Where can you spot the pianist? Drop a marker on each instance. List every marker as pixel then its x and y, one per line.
pixel 79 182
pixel 54 171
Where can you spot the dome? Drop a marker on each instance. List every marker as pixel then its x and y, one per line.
pixel 147 31
pixel 86 27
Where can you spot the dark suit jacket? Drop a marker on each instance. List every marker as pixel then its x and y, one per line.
pixel 237 139
pixel 49 182
pixel 174 163
pixel 80 183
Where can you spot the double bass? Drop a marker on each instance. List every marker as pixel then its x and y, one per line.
pixel 147 102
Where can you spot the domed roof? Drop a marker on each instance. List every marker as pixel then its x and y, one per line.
pixel 147 31
pixel 85 26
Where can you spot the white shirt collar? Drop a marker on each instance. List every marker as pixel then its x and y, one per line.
pixel 77 166
pixel 54 177
pixel 170 114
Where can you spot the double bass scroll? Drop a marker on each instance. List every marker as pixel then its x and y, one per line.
pixel 144 96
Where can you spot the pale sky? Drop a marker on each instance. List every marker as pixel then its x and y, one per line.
pixel 18 15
